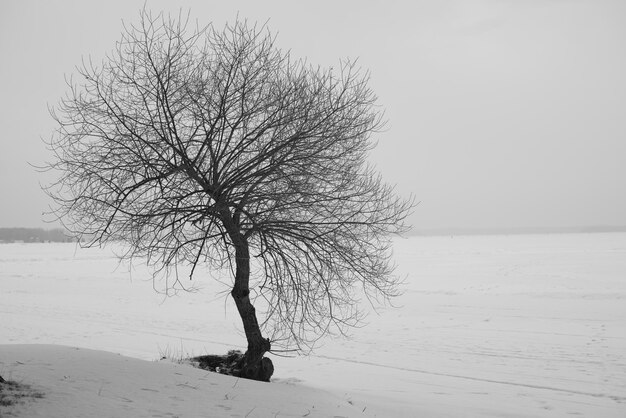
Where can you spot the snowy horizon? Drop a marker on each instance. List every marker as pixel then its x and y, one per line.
pixel 519 325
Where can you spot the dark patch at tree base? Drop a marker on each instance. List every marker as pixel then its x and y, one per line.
pixel 233 364
pixel 261 372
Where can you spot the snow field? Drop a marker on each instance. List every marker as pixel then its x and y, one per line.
pixel 520 325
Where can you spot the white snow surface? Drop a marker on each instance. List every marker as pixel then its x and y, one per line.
pixel 488 326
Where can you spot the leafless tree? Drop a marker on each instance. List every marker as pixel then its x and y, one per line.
pixel 201 146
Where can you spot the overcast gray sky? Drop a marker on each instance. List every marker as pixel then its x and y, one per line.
pixel 502 113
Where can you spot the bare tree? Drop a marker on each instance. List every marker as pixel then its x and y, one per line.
pixel 201 146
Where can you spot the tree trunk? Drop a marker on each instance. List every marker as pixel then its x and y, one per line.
pixel 254 365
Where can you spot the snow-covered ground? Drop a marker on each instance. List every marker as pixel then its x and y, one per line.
pixel 515 326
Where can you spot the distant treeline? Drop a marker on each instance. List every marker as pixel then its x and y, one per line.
pixel 33 235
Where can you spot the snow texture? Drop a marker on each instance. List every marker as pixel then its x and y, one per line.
pixel 488 326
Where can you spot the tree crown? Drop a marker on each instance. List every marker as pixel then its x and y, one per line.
pixel 188 141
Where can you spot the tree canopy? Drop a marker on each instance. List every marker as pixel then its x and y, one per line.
pixel 200 146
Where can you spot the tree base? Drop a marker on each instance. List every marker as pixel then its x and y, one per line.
pixel 261 371
pixel 234 364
